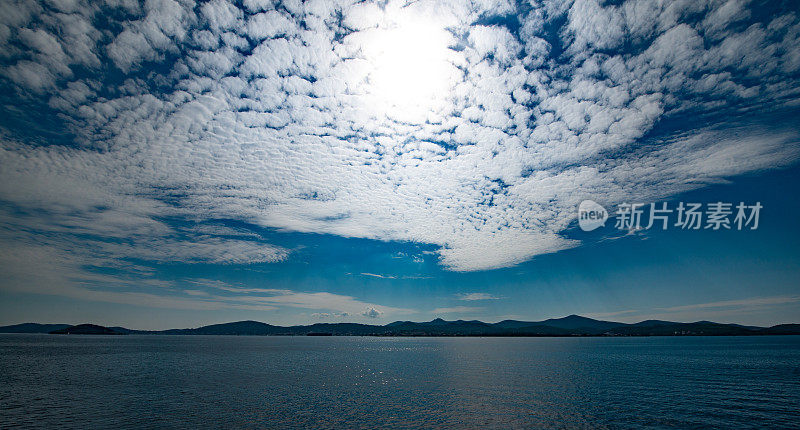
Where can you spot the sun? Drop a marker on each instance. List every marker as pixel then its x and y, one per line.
pixel 412 68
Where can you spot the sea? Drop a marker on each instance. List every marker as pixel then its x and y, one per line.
pixel 191 382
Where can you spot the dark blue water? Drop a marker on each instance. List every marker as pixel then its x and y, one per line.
pixel 358 382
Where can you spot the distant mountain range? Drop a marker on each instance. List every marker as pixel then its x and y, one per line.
pixel 573 325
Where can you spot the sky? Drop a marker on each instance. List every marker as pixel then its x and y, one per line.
pixel 177 163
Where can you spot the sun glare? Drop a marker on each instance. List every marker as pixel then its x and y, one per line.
pixel 412 68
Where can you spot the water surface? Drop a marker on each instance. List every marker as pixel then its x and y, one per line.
pixel 362 382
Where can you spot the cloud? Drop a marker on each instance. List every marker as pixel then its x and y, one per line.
pixel 339 305
pixel 476 296
pixel 375 275
pixel 272 117
pixel 68 275
pixel 751 302
pixel 65 275
pixel 372 313
pixel 325 315
pixel 726 310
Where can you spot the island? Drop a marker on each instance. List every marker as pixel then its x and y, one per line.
pixel 572 325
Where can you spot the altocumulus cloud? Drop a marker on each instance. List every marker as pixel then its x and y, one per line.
pixel 275 115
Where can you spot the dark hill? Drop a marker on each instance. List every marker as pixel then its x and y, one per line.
pixel 701 328
pixel 32 328
pixel 512 324
pixel 440 327
pixel 85 329
pixel 573 325
pixel 581 324
pixel 782 329
pixel 235 328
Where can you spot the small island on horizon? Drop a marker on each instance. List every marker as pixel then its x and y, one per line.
pixel 572 325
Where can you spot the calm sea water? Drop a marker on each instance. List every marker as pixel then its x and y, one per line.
pixel 357 382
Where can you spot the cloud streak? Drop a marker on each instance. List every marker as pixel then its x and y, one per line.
pixel 457 310
pixel 748 303
pixel 476 296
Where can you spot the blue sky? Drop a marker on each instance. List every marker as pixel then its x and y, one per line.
pixel 172 163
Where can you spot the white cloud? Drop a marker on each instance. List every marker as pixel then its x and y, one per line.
pixel 289 136
pixel 268 25
pixel 494 41
pixel 149 38
pixel 33 76
pixel 372 313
